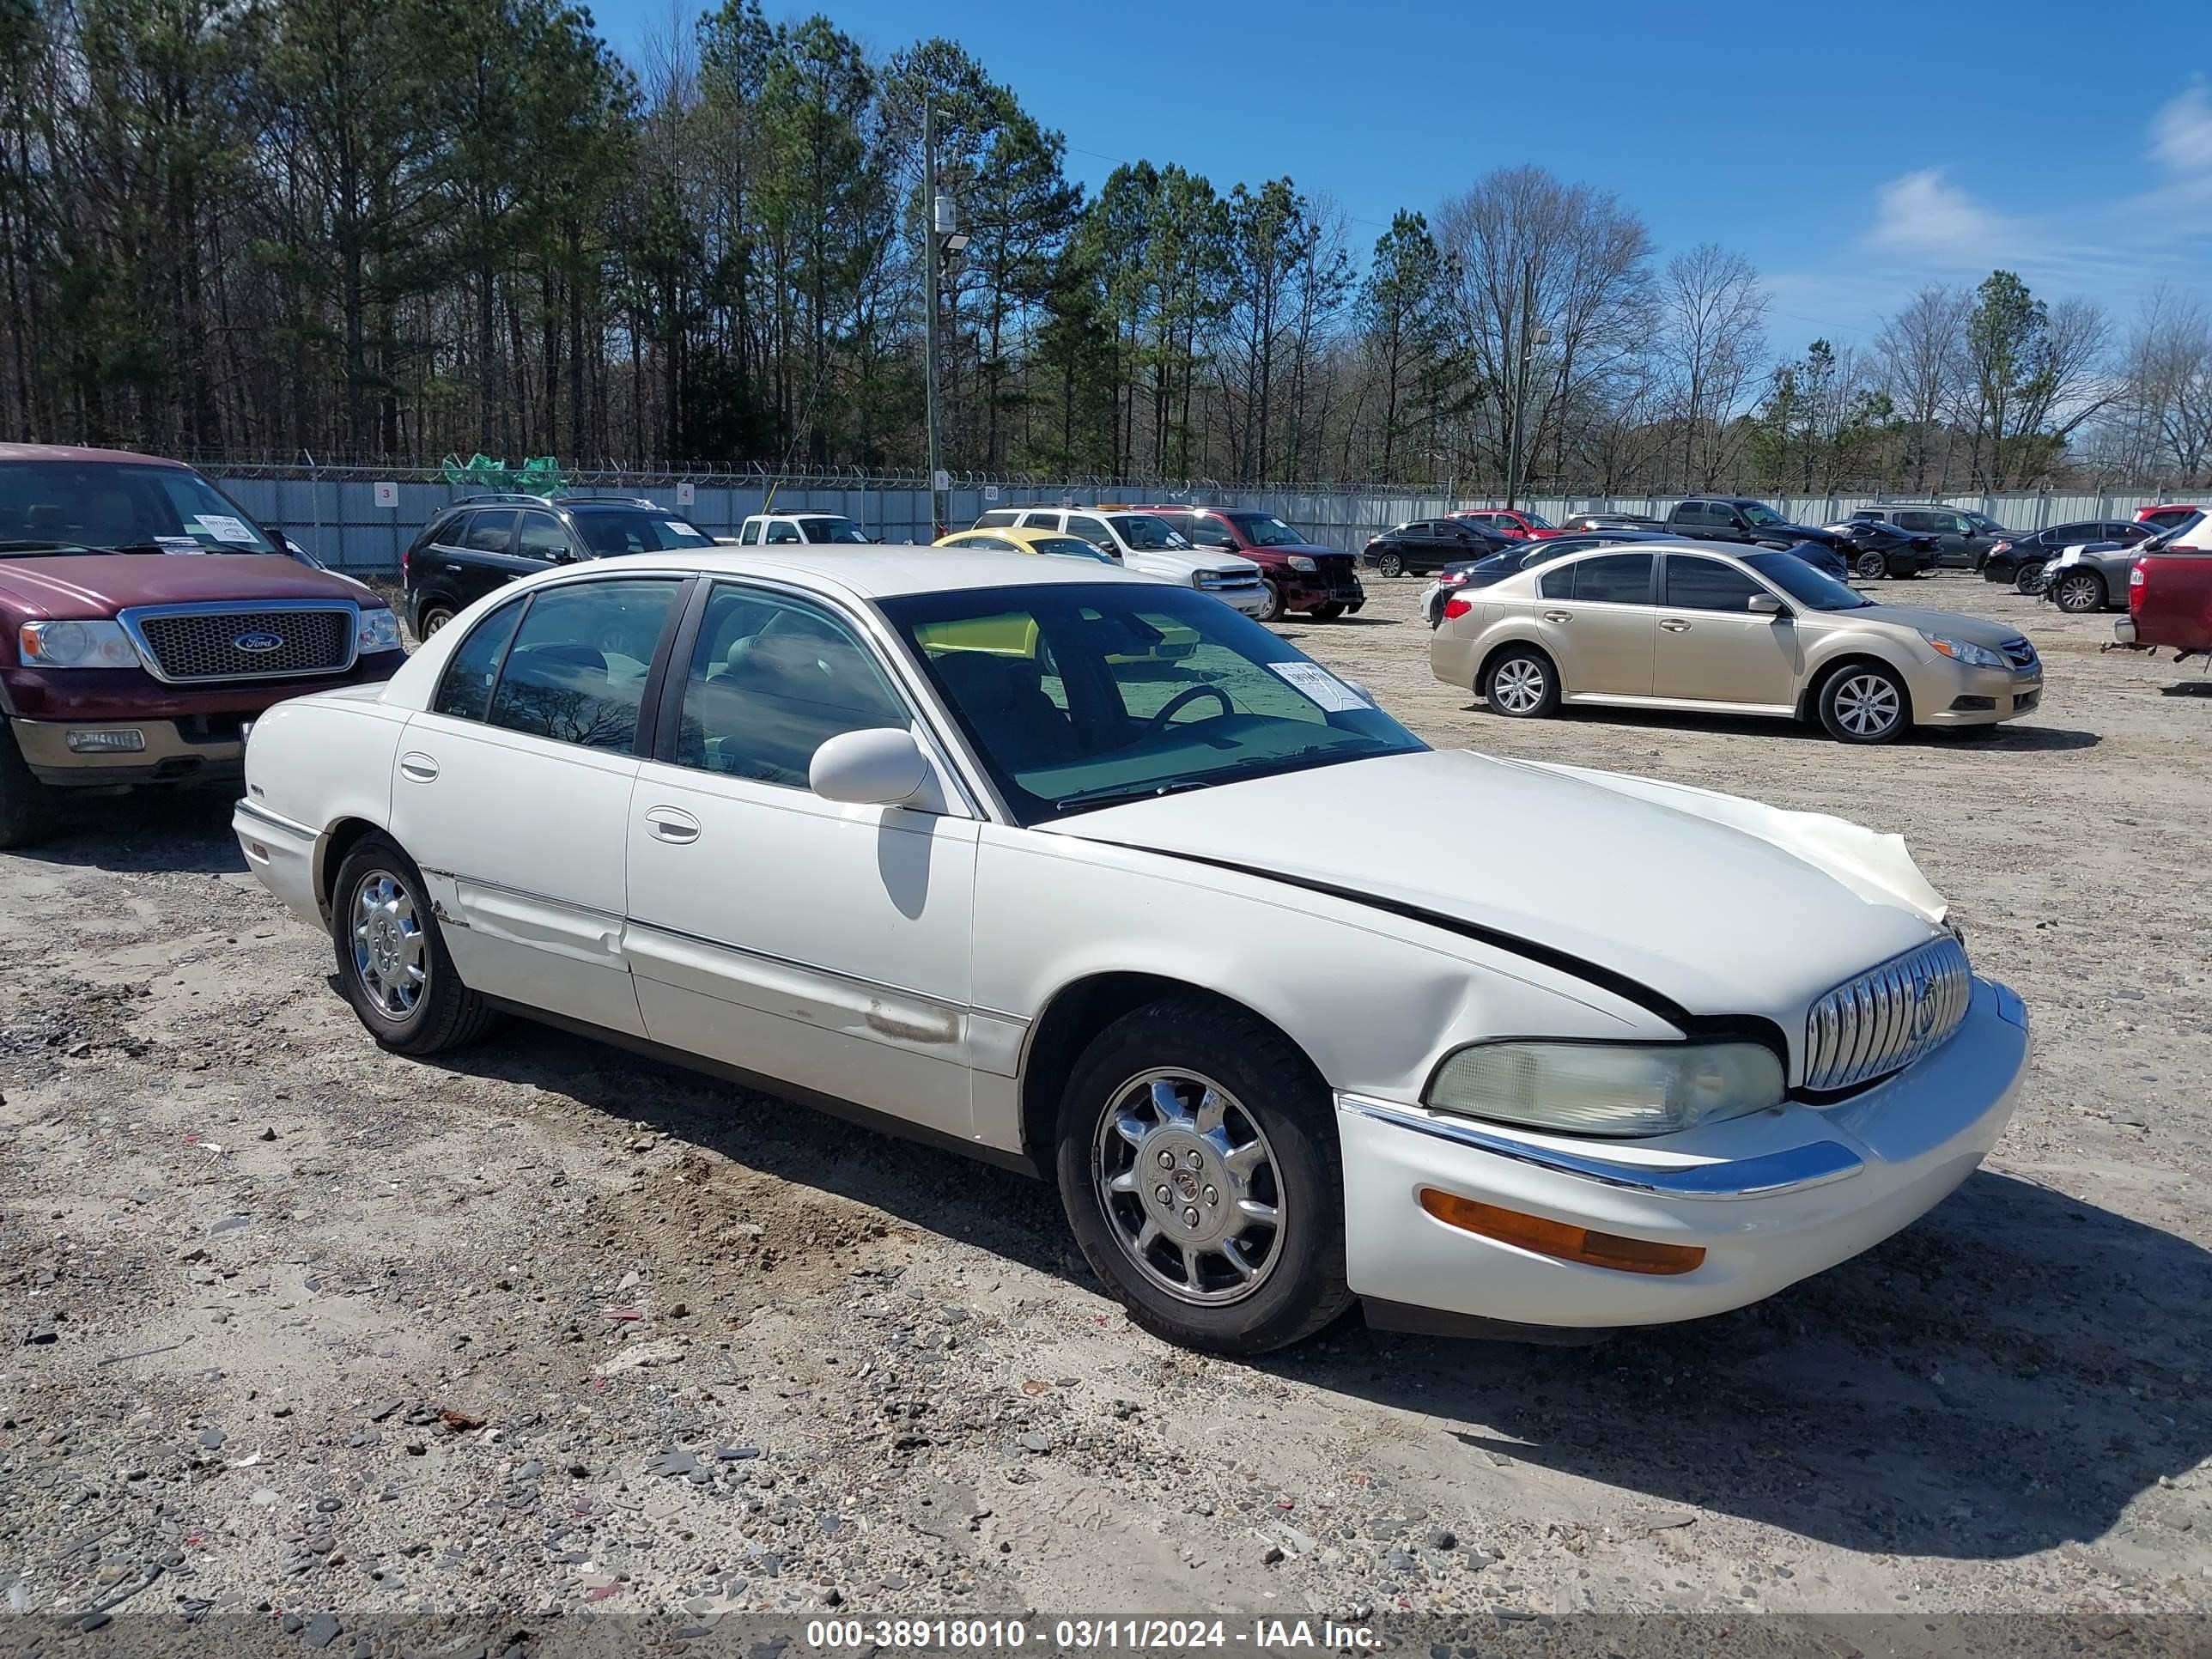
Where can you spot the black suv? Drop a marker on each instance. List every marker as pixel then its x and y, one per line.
pixel 480 543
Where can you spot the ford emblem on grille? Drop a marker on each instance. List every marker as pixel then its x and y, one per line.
pixel 258 642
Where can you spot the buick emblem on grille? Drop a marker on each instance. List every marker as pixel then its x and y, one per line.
pixel 258 642
pixel 1923 1006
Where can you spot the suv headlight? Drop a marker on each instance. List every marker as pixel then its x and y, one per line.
pixel 75 645
pixel 1966 651
pixel 1299 562
pixel 380 631
pixel 1618 1089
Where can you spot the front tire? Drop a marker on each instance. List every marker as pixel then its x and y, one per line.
pixel 1198 1163
pixel 1274 610
pixel 27 807
pixel 1328 612
pixel 1391 565
pixel 1522 685
pixel 2027 576
pixel 1865 702
pixel 392 959
pixel 2079 592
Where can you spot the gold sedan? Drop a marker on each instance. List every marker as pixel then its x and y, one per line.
pixel 1052 544
pixel 1693 628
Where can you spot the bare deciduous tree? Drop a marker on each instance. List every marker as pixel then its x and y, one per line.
pixel 1713 335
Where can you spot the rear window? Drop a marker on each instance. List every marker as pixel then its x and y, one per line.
pixel 999 518
pixel 1609 578
pixel 609 530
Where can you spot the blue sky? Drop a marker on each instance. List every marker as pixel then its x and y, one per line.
pixel 1855 152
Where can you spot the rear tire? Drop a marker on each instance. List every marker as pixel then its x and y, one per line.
pixel 434 617
pixel 1522 685
pixel 1865 702
pixel 1246 1129
pixel 392 959
pixel 27 807
pixel 1869 566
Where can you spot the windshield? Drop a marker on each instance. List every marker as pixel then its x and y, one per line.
pixel 2173 535
pixel 1759 512
pixel 102 506
pixel 1145 531
pixel 1814 589
pixel 1080 695
pixel 1987 525
pixel 609 530
pixel 1071 547
pixel 1264 529
pixel 1537 521
pixel 831 530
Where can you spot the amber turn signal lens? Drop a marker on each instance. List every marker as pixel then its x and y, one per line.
pixel 1557 1238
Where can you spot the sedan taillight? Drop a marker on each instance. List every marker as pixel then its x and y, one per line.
pixel 1457 607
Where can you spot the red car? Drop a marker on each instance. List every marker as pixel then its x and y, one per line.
pixel 2170 596
pixel 2167 515
pixel 1301 574
pixel 1512 521
pixel 144 620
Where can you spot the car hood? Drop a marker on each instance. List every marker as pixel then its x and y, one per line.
pixel 1187 560
pixel 1972 630
pixel 92 586
pixel 1720 905
pixel 1304 549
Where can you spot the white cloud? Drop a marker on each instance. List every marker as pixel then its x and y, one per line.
pixel 2181 133
pixel 1924 215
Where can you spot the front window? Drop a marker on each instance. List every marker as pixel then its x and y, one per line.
pixel 610 531
pixel 1145 531
pixel 1264 529
pixel 108 507
pixel 1757 512
pixel 1078 697
pixel 829 529
pixel 1537 521
pixel 1812 588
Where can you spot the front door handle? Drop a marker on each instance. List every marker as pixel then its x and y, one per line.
pixel 667 824
pixel 1674 627
pixel 417 767
pixel 1558 615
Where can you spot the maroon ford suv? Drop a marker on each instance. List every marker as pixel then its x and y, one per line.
pixel 1301 574
pixel 144 620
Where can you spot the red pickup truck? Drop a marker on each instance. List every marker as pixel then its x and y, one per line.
pixel 2170 595
pixel 144 620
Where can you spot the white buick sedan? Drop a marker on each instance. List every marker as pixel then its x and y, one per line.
pixel 1090 875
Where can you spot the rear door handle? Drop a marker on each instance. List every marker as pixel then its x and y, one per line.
pixel 667 824
pixel 1674 627
pixel 418 767
pixel 1558 615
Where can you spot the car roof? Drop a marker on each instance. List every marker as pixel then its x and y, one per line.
pixel 871 571
pixel 1027 534
pixel 82 453
pixel 800 513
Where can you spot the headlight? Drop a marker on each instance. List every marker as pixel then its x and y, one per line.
pixel 1299 562
pixel 77 644
pixel 380 631
pixel 1964 651
pixel 1608 1088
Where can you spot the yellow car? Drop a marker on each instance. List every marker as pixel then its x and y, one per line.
pixel 1017 637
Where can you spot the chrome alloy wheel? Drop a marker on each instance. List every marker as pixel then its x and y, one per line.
pixel 1186 1181
pixel 388 946
pixel 1518 686
pixel 1867 705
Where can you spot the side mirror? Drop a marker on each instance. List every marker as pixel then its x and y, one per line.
pixel 881 766
pixel 1765 604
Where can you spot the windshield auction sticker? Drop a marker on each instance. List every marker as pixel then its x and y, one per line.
pixel 224 528
pixel 1320 686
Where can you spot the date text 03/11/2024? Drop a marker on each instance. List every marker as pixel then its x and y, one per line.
pixel 1087 1635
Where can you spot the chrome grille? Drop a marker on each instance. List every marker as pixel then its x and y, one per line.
pixel 186 644
pixel 1888 1016
pixel 2019 652
pixel 1215 581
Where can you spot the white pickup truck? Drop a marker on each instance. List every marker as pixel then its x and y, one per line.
pixel 1143 542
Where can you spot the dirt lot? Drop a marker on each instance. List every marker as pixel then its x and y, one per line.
pixel 304 1329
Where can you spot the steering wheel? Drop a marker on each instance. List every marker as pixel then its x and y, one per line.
pixel 1159 722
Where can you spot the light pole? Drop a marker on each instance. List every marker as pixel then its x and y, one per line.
pixel 1533 339
pixel 941 234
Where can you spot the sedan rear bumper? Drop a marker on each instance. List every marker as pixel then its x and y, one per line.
pixel 1770 1200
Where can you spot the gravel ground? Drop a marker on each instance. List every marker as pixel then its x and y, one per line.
pixel 305 1329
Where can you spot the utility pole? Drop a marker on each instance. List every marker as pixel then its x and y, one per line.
pixel 1520 381
pixel 929 330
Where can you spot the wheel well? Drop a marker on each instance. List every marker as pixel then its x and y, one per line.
pixel 1809 704
pixel 337 840
pixel 1482 674
pixel 1077 1014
